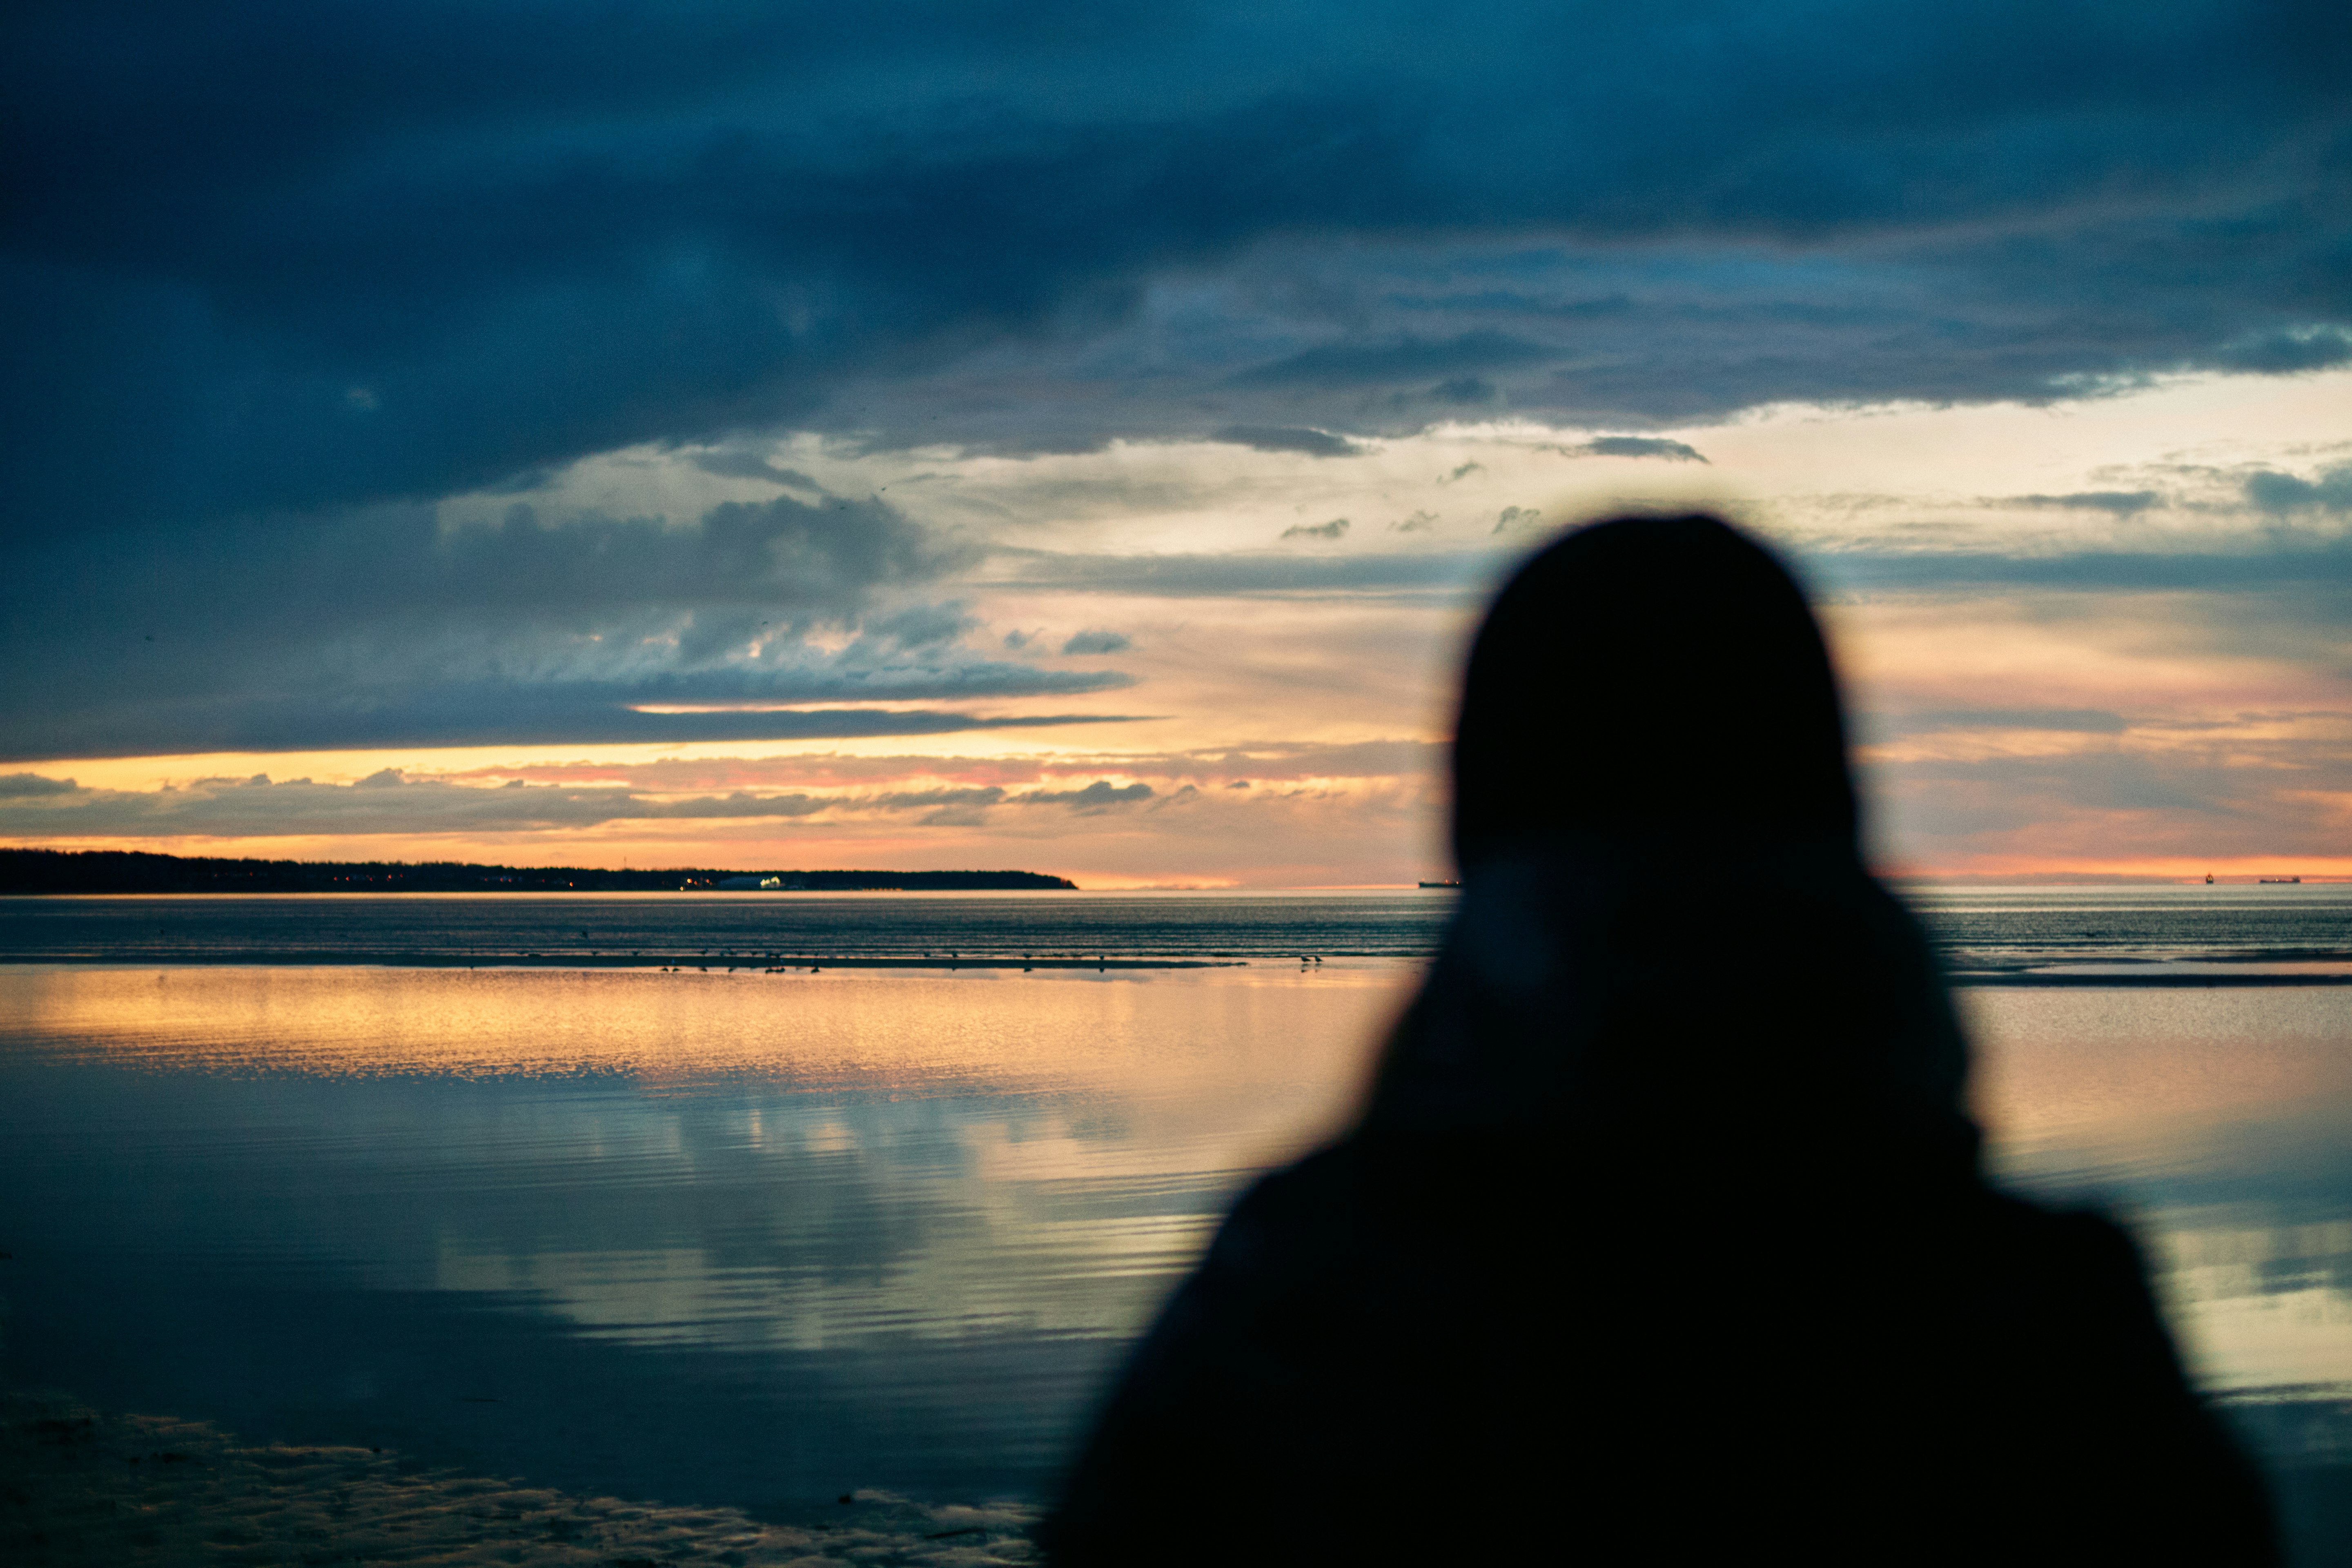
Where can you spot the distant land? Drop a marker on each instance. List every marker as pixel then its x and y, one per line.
pixel 124 871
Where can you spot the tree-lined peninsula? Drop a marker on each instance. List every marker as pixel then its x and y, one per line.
pixel 126 872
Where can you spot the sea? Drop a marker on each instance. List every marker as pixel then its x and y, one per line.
pixel 761 1199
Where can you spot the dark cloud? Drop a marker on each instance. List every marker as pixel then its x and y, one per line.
pixel 2065 721
pixel 2279 494
pixel 25 786
pixel 1260 760
pixel 2237 797
pixel 2287 599
pixel 1354 364
pixel 388 801
pixel 2122 503
pixel 383 628
pixel 288 257
pixel 751 465
pixel 555 714
pixel 1099 795
pixel 2323 568
pixel 1334 529
pixel 1187 576
pixel 2285 353
pixel 1285 439
pixel 1098 640
pixel 1633 447
pixel 1276 760
pixel 1464 391
pixel 920 626
pixel 782 554
pixel 2109 780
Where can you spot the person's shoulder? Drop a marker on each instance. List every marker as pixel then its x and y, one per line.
pixel 2060 1272
pixel 1389 1169
pixel 1308 1207
pixel 1369 1200
pixel 2076 1235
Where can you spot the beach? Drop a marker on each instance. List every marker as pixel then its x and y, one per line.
pixel 83 1488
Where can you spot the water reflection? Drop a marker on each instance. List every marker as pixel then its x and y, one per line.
pixel 757 1238
pixel 2218 1120
pixel 895 1209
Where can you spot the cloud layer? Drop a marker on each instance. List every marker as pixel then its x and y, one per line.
pixel 260 807
pixel 289 257
pixel 385 628
pixel 412 375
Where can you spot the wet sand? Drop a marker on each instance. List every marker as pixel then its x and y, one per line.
pixel 766 963
pixel 2152 977
pixel 79 1486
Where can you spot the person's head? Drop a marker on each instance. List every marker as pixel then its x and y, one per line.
pixel 1649 676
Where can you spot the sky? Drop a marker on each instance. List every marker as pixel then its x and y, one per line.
pixel 1080 438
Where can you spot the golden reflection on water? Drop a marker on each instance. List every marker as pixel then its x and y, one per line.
pixel 1089 1129
pixel 2143 1068
pixel 2223 1120
pixel 839 1030
pixel 1053 1147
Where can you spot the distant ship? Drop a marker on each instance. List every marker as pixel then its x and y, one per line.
pixel 1440 884
pixel 2209 878
pixel 2277 882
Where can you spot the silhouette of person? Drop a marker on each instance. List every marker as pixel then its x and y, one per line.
pixel 1661 1236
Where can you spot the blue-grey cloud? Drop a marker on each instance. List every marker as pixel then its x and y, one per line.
pixel 2121 503
pixel 1098 640
pixel 1098 796
pixel 1283 761
pixel 1633 446
pixel 2287 598
pixel 385 628
pixel 491 715
pixel 2316 568
pixel 1334 529
pixel 2285 353
pixel 2277 493
pixel 1356 364
pixel 2056 720
pixel 2234 797
pixel 1464 391
pixel 1252 575
pixel 389 802
pixel 1288 439
pixel 27 786
pixel 739 465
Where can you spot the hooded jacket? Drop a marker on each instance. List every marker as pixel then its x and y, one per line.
pixel 1661 1236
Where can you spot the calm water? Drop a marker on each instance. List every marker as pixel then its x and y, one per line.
pixel 1987 928
pixel 760 1237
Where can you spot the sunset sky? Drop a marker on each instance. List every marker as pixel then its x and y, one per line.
pixel 1079 437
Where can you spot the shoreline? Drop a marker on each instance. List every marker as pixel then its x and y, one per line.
pixel 91 1487
pixel 772 962
pixel 1988 979
pixel 660 962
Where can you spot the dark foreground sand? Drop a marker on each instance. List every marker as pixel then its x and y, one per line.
pixel 78 1486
